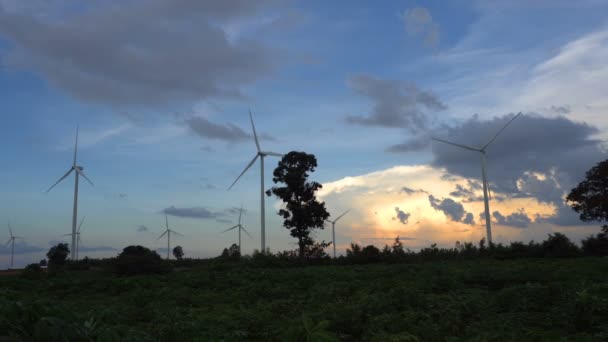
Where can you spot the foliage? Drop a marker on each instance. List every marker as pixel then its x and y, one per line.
pixel 302 213
pixel 32 271
pixel 178 252
pixel 596 245
pixel 558 245
pixel 590 197
pixel 136 260
pixel 474 299
pixel 231 253
pixel 58 254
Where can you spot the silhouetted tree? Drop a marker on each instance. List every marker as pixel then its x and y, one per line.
pixel 302 212
pixel 397 248
pixel 590 197
pixel 58 254
pixel 231 252
pixel 42 262
pixel 178 252
pixel 558 245
pixel 138 260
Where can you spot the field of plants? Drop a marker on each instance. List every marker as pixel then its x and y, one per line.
pixel 479 300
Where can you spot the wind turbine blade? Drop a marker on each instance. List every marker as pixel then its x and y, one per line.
pixel 176 233
pixel 67 234
pixel 242 173
pixel 246 232
pixel 60 179
pixel 339 217
pixel 76 144
pixel 255 136
pixel 163 234
pixel 83 176
pixel 458 145
pixel 9 241
pixel 10 229
pixel 231 228
pixel 166 220
pixel 80 225
pixel 500 131
pixel 273 154
pixel 18 237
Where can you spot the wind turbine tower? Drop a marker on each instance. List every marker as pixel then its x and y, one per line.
pixel 484 176
pixel 168 233
pixel 77 238
pixel 261 154
pixel 79 171
pixel 11 240
pixel 333 230
pixel 240 227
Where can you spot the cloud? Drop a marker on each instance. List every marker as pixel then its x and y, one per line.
pixel 518 219
pixel 208 129
pixel 419 23
pixel 142 52
pixel 84 249
pixel 142 228
pixel 401 215
pixel 416 144
pixel 395 103
pixel 538 157
pixel 410 191
pixel 561 109
pixel 202 213
pixel 452 209
pixel 469 219
pixel 20 248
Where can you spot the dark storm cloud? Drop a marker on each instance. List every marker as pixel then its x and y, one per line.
pixel 536 156
pixel 402 216
pixel 141 52
pixel 518 219
pixel 415 144
pixel 395 103
pixel 452 209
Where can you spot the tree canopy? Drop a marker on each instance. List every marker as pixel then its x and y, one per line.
pixel 302 211
pixel 58 254
pixel 590 197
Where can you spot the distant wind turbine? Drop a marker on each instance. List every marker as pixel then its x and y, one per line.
pixel 11 240
pixel 261 154
pixel 484 176
pixel 333 230
pixel 168 232
pixel 240 227
pixel 79 171
pixel 77 237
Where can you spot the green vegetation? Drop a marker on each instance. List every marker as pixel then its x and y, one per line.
pixel 482 299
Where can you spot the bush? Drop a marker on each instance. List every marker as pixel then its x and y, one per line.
pixel 596 245
pixel 32 271
pixel 558 245
pixel 58 254
pixel 135 260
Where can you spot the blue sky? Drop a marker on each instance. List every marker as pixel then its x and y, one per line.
pixel 161 92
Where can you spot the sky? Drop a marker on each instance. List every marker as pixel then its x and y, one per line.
pixel 161 92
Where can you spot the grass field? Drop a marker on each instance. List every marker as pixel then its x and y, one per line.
pixel 480 300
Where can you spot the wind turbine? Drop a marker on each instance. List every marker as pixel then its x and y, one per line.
pixel 240 227
pixel 168 232
pixel 261 154
pixel 484 176
pixel 79 171
pixel 77 237
pixel 11 240
pixel 333 230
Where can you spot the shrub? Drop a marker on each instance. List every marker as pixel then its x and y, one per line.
pixel 135 260
pixel 596 245
pixel 58 254
pixel 32 271
pixel 558 245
